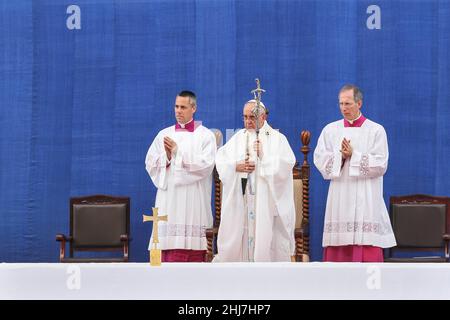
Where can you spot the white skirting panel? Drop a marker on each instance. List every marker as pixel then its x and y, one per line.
pixel 228 281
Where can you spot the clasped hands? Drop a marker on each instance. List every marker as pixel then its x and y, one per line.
pixel 245 166
pixel 248 166
pixel 346 149
pixel 170 146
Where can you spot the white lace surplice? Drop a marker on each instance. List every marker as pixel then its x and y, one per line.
pixel 184 188
pixel 355 212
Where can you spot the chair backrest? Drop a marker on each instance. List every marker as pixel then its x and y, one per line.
pixel 298 197
pixel 219 137
pixel 97 222
pixel 420 223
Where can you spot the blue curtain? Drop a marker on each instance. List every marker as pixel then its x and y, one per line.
pixel 80 107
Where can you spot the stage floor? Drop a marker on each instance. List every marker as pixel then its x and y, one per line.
pixel 225 281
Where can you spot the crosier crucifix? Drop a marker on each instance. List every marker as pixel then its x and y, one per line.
pixel 257 110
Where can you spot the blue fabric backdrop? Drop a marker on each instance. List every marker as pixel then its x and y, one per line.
pixel 79 108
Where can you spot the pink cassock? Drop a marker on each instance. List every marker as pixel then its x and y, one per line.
pixel 190 127
pixel 353 253
pixel 183 255
pixel 356 124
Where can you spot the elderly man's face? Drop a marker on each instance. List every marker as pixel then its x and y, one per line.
pixel 349 108
pixel 184 110
pixel 249 117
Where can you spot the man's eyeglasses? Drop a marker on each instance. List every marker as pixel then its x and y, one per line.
pixel 345 104
pixel 251 118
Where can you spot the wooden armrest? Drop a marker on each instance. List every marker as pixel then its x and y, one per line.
pixel 124 238
pixel 446 236
pixel 210 232
pixel 302 231
pixel 62 237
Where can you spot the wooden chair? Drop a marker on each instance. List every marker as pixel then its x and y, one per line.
pixel 421 225
pixel 98 223
pixel 301 174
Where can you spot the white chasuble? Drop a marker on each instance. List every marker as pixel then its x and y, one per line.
pixel 270 237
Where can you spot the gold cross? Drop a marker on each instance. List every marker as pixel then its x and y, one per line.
pixel 155 218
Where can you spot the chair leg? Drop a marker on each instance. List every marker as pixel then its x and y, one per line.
pixel 298 249
pixel 62 246
pixel 125 251
pixel 446 251
pixel 210 237
pixel 210 250
pixel 62 250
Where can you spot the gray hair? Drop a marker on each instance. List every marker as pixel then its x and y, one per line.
pixel 357 93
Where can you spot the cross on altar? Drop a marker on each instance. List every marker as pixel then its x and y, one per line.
pixel 155 253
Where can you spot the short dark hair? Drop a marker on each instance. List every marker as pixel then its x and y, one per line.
pixel 190 95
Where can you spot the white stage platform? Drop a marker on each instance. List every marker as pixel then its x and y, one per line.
pixel 227 281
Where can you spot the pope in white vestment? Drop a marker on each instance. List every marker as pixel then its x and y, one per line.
pixel 353 154
pixel 258 213
pixel 180 162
